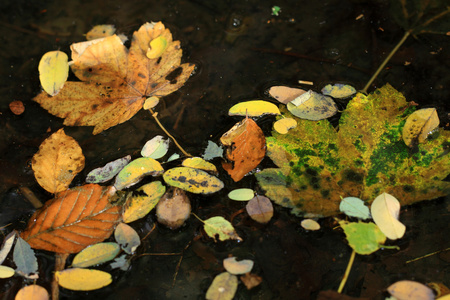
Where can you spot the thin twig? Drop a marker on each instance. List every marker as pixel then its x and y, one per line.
pixel 60 264
pixel 31 197
pixel 347 272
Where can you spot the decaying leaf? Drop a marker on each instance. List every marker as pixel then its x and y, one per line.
pixel 115 81
pixel 260 209
pixel 139 205
pixel 218 227
pixel 199 163
pixel 100 31
pixel 192 180
pixel 310 224
pixel 78 279
pixel 254 108
pixel 282 126
pixel 385 210
pixel 57 162
pixel 6 272
pixel 108 171
pixel 364 238
pixel 24 258
pixel 17 107
pixel 75 219
pixel 34 291
pixel 312 106
pixel 223 287
pixel 410 290
pixel 419 125
pixel 285 94
pixel 95 254
pixel 155 148
pixel 338 90
pixel 246 148
pixel 174 208
pixel 242 194
pixel 354 207
pixel 127 238
pixel 317 163
pixel 53 71
pixel 136 170
pixel 237 267
pixel 251 280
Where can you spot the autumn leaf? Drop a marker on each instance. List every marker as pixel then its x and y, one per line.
pixel 246 148
pixel 116 81
pixel 75 219
pixel 57 162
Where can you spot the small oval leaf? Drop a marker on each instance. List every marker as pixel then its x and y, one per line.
pixel 283 126
pixel 96 254
pixel 53 71
pixel 34 291
pixel 338 90
pixel 254 108
pixel 6 272
pixel 24 258
pixel 312 106
pixel 155 148
pixel 260 209
pixel 136 170
pixel 410 290
pixel 150 102
pixel 310 224
pixel 364 238
pixel 419 125
pixel 223 287
pixel 243 194
pixel 78 279
pixel 108 171
pixel 193 180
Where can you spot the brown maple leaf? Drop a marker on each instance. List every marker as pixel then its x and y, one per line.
pixel 75 219
pixel 247 148
pixel 115 80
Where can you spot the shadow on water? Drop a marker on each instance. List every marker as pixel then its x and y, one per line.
pixel 232 43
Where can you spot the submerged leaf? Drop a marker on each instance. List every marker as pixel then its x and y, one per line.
pixel 136 170
pixel 310 224
pixel 127 238
pixel 57 162
pixel 53 71
pixel 385 210
pixel 75 219
pixel 260 209
pixel 108 171
pixel 221 228
pixel 138 206
pixel 100 31
pixel 174 208
pixel 193 180
pixel 419 125
pixel 78 279
pixel 254 108
pixel 364 238
pixel 157 47
pixel 312 106
pixel 223 287
pixel 96 254
pixel 212 150
pixel 338 90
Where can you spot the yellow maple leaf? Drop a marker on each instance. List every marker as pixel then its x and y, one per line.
pixel 116 81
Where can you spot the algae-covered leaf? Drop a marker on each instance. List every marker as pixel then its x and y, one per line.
pixel 155 148
pixel 212 150
pixel 364 238
pixel 96 254
pixel 419 125
pixel 108 171
pixel 338 90
pixel 127 238
pixel 136 170
pixel 143 201
pixel 365 154
pixel 34 292
pixel 236 267
pixel 24 258
pixel 254 108
pixel 53 71
pixel 57 162
pixel 192 180
pixel 410 290
pixel 312 106
pixel 199 163
pixel 260 209
pixel 243 194
pixel 354 207
pixel 223 287
pixel 218 227
pixel 385 210
pixel 78 279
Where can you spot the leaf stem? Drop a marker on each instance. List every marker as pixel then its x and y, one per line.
pixel 155 116
pixel 347 272
pixel 386 60
pixel 198 218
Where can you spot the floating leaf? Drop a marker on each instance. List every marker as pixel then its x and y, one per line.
pixel 221 228
pixel 107 172
pixel 33 291
pixel 6 272
pixel 246 148
pixel 312 106
pixel 193 180
pixel 354 207
pixel 237 267
pixel 78 279
pixel 136 170
pixel 96 254
pixel 138 206
pixel 24 258
pixel 121 262
pixel 223 287
pixel 212 151
pixel 285 94
pixel 310 224
pixel 155 148
pixel 100 31
pixel 410 290
pixel 53 71
pixel 75 219
pixel 385 210
pixel 150 102
pixel 419 125
pixel 338 90
pixel 7 245
pixel 364 238
pixel 17 107
pixel 199 163
pixel 173 157
pixel 116 81
pixel 282 126
pixel 254 108
pixel 243 194
pixel 260 209
pixel 127 238
pixel 174 208
pixel 57 162
pixel 157 47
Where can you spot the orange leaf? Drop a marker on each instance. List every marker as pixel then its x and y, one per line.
pixel 247 147
pixel 116 81
pixel 75 219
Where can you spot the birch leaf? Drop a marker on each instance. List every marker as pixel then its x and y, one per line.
pixel 174 208
pixel 53 71
pixel 260 209
pixel 218 227
pixel 364 238
pixel 100 31
pixel 282 126
pixel 385 210
pixel 354 207
pixel 96 254
pixel 310 224
pixel 78 279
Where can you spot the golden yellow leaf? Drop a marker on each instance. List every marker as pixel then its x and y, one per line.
pixel 57 162
pixel 53 71
pixel 32 292
pixel 78 279
pixel 136 170
pixel 193 180
pixel 282 126
pixel 223 287
pixel 254 108
pixel 100 31
pixel 116 81
pixel 199 163
pixel 419 125
pixel 95 254
pixel 157 47
pixel 6 272
pixel 138 206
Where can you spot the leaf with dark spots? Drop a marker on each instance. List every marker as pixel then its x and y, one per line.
pixel 193 180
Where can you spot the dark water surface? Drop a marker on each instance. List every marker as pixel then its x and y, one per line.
pixel 240 50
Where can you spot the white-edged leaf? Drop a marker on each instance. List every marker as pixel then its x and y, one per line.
pixel 354 207
pixel 385 210
pixel 155 148
pixel 108 171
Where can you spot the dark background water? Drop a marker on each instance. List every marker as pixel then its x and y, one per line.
pixel 240 50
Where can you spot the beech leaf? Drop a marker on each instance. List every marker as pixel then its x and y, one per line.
pixel 73 220
pixel 254 108
pixel 127 238
pixel 385 210
pixel 108 171
pixel 95 254
pixel 419 125
pixel 223 287
pixel 193 180
pixel 139 205
pixel 218 227
pixel 246 148
pixel 260 209
pixel 24 258
pixel 34 291
pixel 53 71
pixel 136 170
pixel 78 279
pixel 57 162
pixel 410 290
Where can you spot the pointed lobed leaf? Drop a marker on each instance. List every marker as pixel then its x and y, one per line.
pixel 75 219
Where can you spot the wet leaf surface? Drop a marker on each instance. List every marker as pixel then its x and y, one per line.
pixel 254 108
pixel 193 180
pixel 364 238
pixel 78 279
pixel 260 209
pixel 127 238
pixel 136 170
pixel 34 292
pixel 174 208
pixel 223 287
pixel 385 210
pixel 218 227
pixel 138 205
pixel 407 289
pixel 53 71
pixel 95 254
pixel 354 207
pixel 419 125
pixel 24 258
pixel 108 171
pixel 312 106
